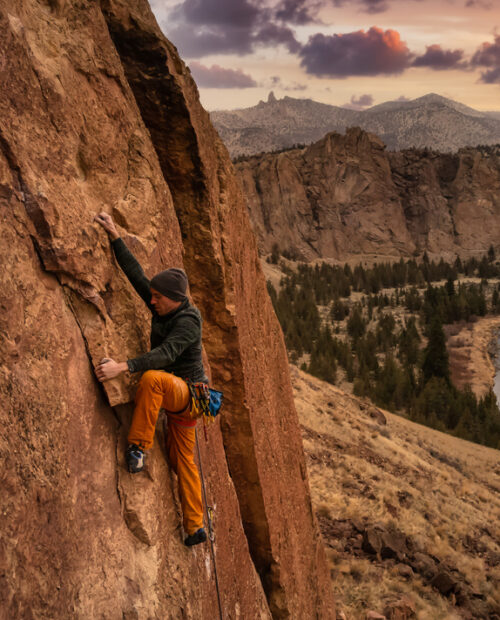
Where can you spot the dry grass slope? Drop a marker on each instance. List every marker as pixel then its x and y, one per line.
pixel 404 509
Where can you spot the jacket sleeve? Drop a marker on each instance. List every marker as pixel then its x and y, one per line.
pixel 133 270
pixel 185 332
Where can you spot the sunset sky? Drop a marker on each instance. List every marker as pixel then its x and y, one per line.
pixel 343 52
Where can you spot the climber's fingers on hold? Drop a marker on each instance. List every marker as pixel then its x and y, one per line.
pixel 104 219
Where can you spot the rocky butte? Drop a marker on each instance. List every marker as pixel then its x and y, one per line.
pixel 98 112
pixel 347 196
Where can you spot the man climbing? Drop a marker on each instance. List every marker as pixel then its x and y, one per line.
pixel 175 355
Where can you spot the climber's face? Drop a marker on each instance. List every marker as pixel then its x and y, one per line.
pixel 163 305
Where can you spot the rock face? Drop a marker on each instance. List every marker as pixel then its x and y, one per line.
pixel 346 196
pixel 97 112
pixel 430 121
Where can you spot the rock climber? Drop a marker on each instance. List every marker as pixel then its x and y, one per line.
pixel 176 354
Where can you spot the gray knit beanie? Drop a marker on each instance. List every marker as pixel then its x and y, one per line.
pixel 172 283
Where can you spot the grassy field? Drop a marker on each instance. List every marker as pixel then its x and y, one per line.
pixel 432 499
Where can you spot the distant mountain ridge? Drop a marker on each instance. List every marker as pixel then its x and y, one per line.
pixel 430 121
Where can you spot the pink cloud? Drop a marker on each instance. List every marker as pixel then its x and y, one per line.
pixel 488 56
pixel 373 52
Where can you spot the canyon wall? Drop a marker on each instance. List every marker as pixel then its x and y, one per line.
pixel 98 112
pixel 347 197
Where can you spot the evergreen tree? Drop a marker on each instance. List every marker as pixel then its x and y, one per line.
pixel 339 310
pixel 409 343
pixel 494 301
pixel 275 254
pixel 450 288
pixel 436 362
pixel 356 325
pixel 272 292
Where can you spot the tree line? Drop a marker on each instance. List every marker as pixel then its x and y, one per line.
pixel 383 357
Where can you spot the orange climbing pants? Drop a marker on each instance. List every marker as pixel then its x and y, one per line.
pixel 160 389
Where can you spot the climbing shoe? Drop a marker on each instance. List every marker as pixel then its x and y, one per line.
pixel 195 539
pixel 134 455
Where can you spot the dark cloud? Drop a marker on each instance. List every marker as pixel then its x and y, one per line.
pixel 363 101
pixel 204 42
pixel 359 103
pixel 292 86
pixel 356 53
pixel 368 6
pixel 482 4
pixel 204 27
pixel 437 58
pixel 491 77
pixel 232 13
pixel 403 98
pixel 218 77
pixel 488 56
pixel 299 12
pixel 274 34
pixel 375 6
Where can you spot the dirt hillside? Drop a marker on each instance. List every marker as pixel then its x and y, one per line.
pixel 411 515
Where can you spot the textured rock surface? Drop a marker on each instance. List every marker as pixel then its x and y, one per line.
pixel 80 536
pixel 346 195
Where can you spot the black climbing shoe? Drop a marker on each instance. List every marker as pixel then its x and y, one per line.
pixel 195 539
pixel 134 455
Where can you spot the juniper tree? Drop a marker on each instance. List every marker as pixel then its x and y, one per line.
pixel 436 362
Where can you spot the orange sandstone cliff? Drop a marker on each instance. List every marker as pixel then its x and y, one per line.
pixel 346 196
pixel 98 112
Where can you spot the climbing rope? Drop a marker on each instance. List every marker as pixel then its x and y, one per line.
pixel 211 536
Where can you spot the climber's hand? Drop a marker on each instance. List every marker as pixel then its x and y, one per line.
pixel 109 369
pixel 106 221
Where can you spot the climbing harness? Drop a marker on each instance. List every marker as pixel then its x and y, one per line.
pixel 209 511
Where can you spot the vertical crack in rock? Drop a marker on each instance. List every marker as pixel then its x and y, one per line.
pixel 272 495
pixel 95 524
pixel 163 108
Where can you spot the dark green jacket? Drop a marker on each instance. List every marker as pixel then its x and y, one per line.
pixel 175 337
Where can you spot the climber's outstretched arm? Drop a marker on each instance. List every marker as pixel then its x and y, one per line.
pixel 127 261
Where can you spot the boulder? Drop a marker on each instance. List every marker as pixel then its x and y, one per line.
pixel 393 545
pixel 383 543
pixel 405 571
pixel 404 609
pixel 377 415
pixel 423 564
pixel 445 582
pixel 372 540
